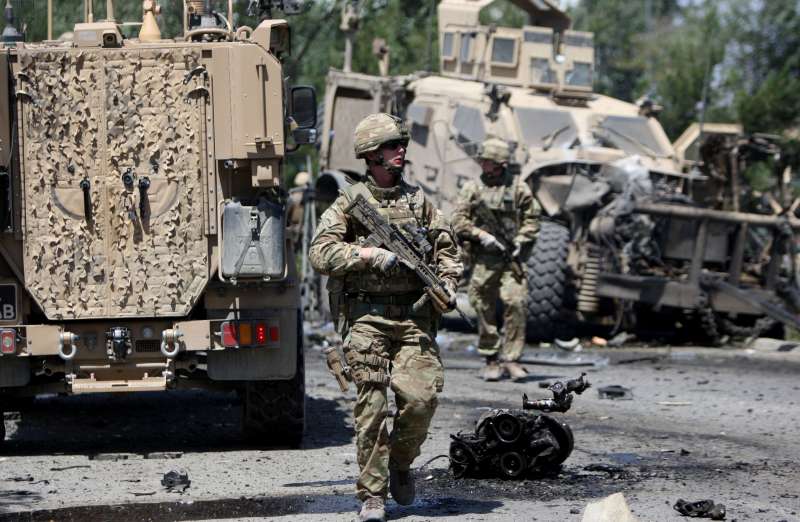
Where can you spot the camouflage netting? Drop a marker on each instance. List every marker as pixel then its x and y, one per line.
pixel 96 114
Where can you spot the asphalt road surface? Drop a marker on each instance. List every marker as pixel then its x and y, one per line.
pixel 722 424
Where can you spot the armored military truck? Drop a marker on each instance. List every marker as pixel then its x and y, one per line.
pixel 628 228
pixel 143 244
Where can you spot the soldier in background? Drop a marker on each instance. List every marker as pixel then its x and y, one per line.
pixel 294 214
pixel 500 216
pixel 386 343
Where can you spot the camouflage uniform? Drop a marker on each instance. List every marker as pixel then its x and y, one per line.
pixel 516 211
pixel 386 344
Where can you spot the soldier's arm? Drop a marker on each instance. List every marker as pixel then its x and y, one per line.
pixel 463 221
pixel 530 212
pixel 330 254
pixel 445 250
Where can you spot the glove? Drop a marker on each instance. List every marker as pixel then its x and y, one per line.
pixel 489 242
pixel 379 258
pixel 442 306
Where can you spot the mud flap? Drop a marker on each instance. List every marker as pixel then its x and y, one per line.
pixel 14 371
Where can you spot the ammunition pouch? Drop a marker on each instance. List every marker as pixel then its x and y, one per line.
pixel 376 371
pixel 353 358
pixel 375 377
pixel 337 303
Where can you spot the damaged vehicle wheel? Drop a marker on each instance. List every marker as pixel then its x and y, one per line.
pixel 548 282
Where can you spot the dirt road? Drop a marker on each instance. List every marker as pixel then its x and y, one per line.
pixel 701 424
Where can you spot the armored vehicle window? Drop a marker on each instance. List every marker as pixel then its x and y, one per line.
pixel 420 116
pixel 466 47
pixel 546 128
pixel 580 75
pixel 541 71
pixel 504 51
pixel 469 124
pixel 447 45
pixel 631 134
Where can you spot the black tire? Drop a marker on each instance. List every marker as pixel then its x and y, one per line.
pixel 549 287
pixel 274 411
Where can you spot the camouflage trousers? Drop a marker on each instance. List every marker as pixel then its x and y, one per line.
pixel 416 376
pixel 493 278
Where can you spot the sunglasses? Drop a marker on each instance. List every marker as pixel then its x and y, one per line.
pixel 394 144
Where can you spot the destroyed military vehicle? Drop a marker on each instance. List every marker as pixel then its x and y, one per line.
pixel 143 243
pixel 627 226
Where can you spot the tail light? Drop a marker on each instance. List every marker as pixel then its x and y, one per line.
pixel 8 340
pixel 261 333
pixel 244 333
pixel 229 334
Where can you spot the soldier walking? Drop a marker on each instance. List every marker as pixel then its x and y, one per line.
pixel 500 217
pixel 386 343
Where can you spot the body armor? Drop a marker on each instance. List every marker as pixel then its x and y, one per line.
pixel 401 205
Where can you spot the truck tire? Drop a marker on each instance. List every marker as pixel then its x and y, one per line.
pixel 274 411
pixel 548 282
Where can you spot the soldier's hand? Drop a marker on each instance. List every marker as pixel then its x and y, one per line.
pixel 490 242
pixel 442 304
pixel 379 258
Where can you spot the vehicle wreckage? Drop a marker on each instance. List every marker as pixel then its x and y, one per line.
pixel 513 443
pixel 633 223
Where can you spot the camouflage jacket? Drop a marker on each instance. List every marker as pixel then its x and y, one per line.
pixel 334 249
pixel 514 208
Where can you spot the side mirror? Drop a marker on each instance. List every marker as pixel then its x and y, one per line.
pixel 304 107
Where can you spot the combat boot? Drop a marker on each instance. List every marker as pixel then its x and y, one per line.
pixel 401 485
pixel 517 372
pixel 493 371
pixel 372 510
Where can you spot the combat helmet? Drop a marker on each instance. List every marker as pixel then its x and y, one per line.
pixel 301 179
pixel 377 129
pixel 495 149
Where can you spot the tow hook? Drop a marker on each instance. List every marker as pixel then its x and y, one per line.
pixel 118 343
pixel 170 342
pixel 66 345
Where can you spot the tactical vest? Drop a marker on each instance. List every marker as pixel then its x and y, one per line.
pixel 501 202
pixel 399 205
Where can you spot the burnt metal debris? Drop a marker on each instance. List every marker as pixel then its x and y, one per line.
pixel 700 509
pixel 176 480
pixel 513 443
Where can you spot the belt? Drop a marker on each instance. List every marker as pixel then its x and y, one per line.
pixel 356 308
pixel 399 299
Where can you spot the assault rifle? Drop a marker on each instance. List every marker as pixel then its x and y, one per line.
pixel 486 215
pixel 410 252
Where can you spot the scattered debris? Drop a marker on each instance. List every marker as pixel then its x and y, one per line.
pixel 674 403
pixel 599 341
pixel 111 456
pixel 164 455
pixel 700 509
pixel 568 344
pixel 605 468
pixel 615 392
pixel 564 359
pixel 613 508
pixel 24 478
pixel 142 493
pixel 65 468
pixel 650 358
pixel 176 480
pixel 620 339
pixel 765 344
